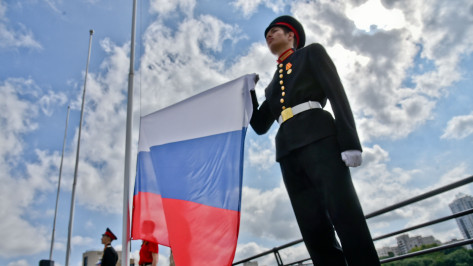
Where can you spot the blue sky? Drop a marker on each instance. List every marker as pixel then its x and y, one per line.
pixel 406 69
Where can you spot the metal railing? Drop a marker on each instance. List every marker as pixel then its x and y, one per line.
pixel 393 207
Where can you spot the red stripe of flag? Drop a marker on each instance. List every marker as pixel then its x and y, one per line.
pixel 200 234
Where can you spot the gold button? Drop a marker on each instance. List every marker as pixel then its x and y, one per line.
pixel 282 100
pixel 284 107
pixel 289 71
pixel 280 70
pixel 281 82
pixel 283 93
pixel 283 88
pixel 281 76
pixel 280 65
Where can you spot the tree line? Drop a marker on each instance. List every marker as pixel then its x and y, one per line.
pixel 458 256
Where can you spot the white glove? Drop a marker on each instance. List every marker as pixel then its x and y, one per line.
pixel 352 158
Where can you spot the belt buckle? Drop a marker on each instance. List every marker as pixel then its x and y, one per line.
pixel 286 114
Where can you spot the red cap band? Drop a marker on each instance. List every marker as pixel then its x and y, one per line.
pixel 110 235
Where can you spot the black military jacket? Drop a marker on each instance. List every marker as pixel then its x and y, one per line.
pixel 307 74
pixel 110 256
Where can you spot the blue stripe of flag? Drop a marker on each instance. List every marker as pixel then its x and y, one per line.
pixel 204 170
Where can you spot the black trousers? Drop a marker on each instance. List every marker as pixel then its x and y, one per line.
pixel 324 201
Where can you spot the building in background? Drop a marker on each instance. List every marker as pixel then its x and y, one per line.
pixel 465 223
pixel 91 257
pixel 406 243
pixel 387 252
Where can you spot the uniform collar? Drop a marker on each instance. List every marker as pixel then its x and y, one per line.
pixel 285 55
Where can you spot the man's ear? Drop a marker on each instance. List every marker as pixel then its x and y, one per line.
pixel 291 34
pixel 292 37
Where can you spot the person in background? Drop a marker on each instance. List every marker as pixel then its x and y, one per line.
pixel 313 149
pixel 110 256
pixel 148 254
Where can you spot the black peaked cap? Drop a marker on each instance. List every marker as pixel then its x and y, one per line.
pixel 293 25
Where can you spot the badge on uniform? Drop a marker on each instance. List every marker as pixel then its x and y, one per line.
pixel 288 68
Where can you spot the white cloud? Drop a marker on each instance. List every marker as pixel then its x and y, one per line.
pixel 256 60
pixel 82 241
pixel 169 74
pixel 246 250
pixel 249 7
pixel 23 182
pixel 50 100
pixel 18 263
pixel 168 8
pixel 214 32
pixel 16 116
pixel 262 157
pixel 294 253
pixel 268 214
pixel 15 38
pixel 373 14
pixel 459 127
pixel 18 188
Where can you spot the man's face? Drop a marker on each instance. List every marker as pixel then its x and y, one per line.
pixel 106 240
pixel 277 39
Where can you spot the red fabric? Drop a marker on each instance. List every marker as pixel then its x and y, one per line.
pixel 200 234
pixel 146 251
pixel 148 222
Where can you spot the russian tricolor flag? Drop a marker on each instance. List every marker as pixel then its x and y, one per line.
pixel 189 174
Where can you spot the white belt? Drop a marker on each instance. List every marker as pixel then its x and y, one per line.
pixel 292 111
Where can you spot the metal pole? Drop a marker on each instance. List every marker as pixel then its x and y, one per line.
pixel 129 125
pixel 421 197
pixel 59 185
pixel 71 216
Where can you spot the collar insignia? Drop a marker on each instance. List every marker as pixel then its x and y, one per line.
pixel 285 55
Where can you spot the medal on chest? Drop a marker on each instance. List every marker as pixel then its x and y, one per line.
pixel 289 68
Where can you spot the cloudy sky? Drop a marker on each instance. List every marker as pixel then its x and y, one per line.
pixel 406 67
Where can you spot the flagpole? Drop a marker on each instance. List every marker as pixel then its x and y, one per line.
pixel 129 125
pixel 58 186
pixel 71 216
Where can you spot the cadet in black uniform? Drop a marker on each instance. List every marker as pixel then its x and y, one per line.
pixel 314 150
pixel 110 256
